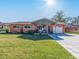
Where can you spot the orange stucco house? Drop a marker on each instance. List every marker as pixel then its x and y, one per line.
pixel 24 27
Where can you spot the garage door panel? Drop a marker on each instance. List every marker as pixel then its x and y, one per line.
pixel 58 29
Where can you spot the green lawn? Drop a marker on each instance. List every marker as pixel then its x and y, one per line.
pixel 72 32
pixel 18 46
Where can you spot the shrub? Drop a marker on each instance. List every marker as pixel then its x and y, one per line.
pixel 7 30
pixel 30 32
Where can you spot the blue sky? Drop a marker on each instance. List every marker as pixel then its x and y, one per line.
pixel 31 10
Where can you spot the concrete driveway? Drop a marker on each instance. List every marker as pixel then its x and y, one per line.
pixel 69 41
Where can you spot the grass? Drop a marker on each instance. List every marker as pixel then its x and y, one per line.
pixel 73 32
pixel 18 46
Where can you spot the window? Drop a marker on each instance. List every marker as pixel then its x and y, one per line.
pixel 27 27
pixel 15 26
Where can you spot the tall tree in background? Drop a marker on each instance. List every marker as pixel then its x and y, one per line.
pixel 76 20
pixel 69 20
pixel 60 17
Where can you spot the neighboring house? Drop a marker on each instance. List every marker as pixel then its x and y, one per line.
pixel 1 25
pixel 2 28
pixel 20 27
pixel 4 25
pixel 72 28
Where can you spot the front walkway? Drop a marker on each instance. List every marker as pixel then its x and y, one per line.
pixel 70 43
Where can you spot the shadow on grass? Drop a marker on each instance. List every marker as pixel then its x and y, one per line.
pixel 34 37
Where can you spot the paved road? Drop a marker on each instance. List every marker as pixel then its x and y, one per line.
pixel 70 43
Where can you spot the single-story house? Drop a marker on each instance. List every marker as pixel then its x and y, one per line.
pixel 19 27
pixel 1 25
pixel 43 25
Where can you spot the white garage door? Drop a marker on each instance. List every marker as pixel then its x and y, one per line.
pixel 58 29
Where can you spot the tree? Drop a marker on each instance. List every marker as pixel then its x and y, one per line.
pixel 76 20
pixel 60 17
pixel 69 20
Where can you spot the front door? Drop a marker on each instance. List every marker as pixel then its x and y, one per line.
pixel 49 31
